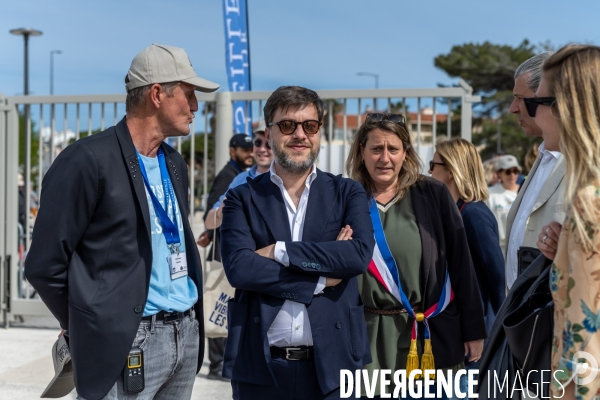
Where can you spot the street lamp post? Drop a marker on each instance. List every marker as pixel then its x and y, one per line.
pixel 52 53
pixel 26 32
pixel 373 75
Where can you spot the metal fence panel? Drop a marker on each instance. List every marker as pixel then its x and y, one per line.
pixel 17 297
pixel 218 106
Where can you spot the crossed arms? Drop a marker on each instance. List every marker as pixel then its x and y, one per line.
pixel 339 259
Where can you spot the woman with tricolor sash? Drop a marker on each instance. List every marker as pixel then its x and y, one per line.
pixel 422 304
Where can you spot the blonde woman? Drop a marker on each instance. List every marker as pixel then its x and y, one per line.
pixel 421 255
pixel 457 164
pixel 567 109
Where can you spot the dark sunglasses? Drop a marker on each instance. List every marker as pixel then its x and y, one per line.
pixel 378 117
pixel 432 164
pixel 532 103
pixel 259 143
pixel 512 171
pixel 287 126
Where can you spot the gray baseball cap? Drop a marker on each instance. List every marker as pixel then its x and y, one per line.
pixel 160 64
pixel 63 382
pixel 507 162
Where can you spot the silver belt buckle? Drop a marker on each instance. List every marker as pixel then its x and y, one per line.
pixel 287 353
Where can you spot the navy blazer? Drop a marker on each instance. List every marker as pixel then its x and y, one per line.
pixel 254 216
pixel 481 229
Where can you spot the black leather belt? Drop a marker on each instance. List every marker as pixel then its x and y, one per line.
pixel 169 317
pixel 293 353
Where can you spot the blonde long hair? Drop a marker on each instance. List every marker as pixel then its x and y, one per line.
pixel 574 76
pixel 411 168
pixel 464 163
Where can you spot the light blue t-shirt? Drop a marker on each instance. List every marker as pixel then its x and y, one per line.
pixel 165 294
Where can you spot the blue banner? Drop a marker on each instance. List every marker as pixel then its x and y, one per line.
pixel 237 60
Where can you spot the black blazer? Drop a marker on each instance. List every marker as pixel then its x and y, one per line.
pixel 444 246
pixel 254 216
pixel 91 254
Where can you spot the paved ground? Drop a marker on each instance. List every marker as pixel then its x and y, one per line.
pixel 26 364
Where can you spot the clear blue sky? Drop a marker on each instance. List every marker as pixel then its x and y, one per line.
pixel 315 43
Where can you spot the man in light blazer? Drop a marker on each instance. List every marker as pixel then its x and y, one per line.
pixel 540 199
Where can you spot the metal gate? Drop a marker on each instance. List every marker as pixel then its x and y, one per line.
pixel 28 152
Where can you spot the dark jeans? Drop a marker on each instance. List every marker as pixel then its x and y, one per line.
pixel 296 380
pixel 216 349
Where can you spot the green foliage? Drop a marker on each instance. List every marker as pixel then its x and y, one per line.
pixel 489 68
pixel 198 148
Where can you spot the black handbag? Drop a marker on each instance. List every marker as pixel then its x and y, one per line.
pixel 499 358
pixel 525 256
pixel 528 330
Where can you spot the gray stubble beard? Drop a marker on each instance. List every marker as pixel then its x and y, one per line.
pixel 293 167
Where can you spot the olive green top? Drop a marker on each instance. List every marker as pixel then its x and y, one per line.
pixel 389 335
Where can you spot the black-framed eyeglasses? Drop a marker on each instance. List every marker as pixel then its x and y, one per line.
pixel 532 103
pixel 287 126
pixel 378 117
pixel 432 164
pixel 259 143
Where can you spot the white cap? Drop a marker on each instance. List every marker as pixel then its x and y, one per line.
pixel 162 64
pixel 506 162
pixel 63 382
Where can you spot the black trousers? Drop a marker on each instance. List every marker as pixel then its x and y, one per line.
pixel 216 349
pixel 296 380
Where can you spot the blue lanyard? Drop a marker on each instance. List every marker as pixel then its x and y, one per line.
pixel 170 229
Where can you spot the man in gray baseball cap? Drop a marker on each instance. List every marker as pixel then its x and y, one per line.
pixel 113 255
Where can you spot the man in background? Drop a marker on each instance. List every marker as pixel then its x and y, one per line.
pixel 240 153
pixel 540 199
pixel 263 155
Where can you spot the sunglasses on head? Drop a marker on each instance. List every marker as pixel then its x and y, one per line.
pixel 512 171
pixel 287 126
pixel 532 103
pixel 259 143
pixel 378 117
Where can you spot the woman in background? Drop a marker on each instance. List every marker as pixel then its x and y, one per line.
pixel 457 164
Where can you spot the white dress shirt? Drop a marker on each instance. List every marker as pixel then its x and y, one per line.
pixel 291 326
pixel 517 232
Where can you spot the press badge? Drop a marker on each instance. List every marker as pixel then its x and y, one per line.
pixel 177 265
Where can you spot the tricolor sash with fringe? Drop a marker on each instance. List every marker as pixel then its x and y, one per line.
pixel 384 269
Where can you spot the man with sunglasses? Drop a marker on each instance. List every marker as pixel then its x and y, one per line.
pixel 263 156
pixel 293 241
pixel 540 198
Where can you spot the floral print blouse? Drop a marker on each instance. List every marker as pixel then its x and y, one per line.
pixel 575 287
